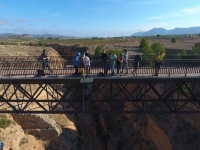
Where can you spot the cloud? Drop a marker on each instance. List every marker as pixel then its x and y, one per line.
pixel 21 20
pixel 5 23
pixel 172 15
pixel 1 5
pixel 191 10
pixel 143 2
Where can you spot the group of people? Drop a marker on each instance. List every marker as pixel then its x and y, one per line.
pixel 121 62
pixel 86 62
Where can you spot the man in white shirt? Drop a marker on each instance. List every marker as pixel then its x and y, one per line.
pixel 86 62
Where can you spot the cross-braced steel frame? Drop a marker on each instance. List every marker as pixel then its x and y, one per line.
pixel 100 95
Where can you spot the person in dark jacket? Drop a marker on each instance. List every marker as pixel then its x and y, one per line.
pixel 76 63
pixel 104 58
pixel 45 61
pixel 118 63
pixel 137 59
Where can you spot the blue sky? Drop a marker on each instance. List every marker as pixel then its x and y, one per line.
pixel 101 18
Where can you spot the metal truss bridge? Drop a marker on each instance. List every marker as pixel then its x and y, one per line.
pixel 128 94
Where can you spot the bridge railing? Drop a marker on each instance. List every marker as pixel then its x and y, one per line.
pixel 65 67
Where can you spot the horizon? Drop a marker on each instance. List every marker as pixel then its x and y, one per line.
pixel 96 18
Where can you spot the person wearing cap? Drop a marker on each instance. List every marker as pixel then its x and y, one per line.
pixel 158 62
pixel 125 62
pixel 45 61
pixel 86 62
pixel 76 63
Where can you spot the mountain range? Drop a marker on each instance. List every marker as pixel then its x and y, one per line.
pixel 175 31
pixel 152 32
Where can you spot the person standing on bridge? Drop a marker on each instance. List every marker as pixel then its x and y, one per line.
pixel 45 61
pixel 86 62
pixel 125 62
pixel 112 63
pixel 119 62
pixel 76 63
pixel 104 58
pixel 87 53
pixel 137 59
pixel 158 62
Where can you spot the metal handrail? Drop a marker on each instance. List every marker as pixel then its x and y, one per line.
pixel 65 67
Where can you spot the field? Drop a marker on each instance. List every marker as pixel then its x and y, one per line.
pixel 16 47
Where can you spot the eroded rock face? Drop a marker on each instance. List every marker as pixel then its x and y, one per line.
pixel 44 128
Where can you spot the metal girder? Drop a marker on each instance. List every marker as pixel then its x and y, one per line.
pixel 102 95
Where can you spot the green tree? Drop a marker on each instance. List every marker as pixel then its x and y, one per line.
pixel 143 43
pixel 98 50
pixel 174 40
pixel 182 55
pixel 157 47
pixel 196 48
pixel 117 52
pixel 147 50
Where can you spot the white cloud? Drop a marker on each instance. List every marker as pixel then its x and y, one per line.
pixel 21 20
pixel 5 23
pixel 171 15
pixel 191 10
pixel 143 2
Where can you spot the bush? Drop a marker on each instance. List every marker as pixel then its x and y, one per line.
pixel 4 122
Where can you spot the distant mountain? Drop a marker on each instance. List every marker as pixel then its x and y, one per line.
pixel 175 31
pixel 13 35
pixel 50 36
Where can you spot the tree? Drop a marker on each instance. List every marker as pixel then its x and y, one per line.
pixel 174 40
pixel 143 42
pixel 98 50
pixel 117 52
pixel 196 48
pixel 182 55
pixel 157 47
pixel 147 50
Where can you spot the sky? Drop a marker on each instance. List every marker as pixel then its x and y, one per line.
pixel 96 18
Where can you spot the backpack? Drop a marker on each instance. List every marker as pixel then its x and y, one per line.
pixel 100 74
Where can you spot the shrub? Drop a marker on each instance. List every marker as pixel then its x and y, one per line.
pixel 4 122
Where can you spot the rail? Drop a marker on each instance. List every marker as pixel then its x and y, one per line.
pixel 65 67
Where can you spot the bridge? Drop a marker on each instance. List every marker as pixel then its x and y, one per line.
pixel 176 90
